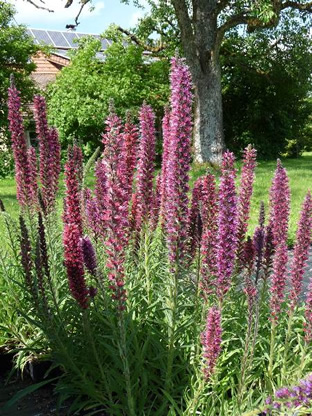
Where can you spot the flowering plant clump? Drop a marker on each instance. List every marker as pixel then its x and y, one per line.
pixel 151 296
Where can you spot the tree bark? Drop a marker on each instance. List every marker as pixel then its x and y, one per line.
pixel 208 136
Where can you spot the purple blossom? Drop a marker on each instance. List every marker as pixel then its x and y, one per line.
pixel 179 161
pixel 278 280
pixel 164 162
pixel 74 264
pixel 49 148
pixel 73 229
pixel 295 397
pixel 117 205
pixel 89 255
pixel 23 173
pixel 210 231
pixel 244 196
pixel 131 137
pixel 211 341
pixel 279 204
pixel 301 250
pixel 145 170
pixel 72 209
pixel 227 225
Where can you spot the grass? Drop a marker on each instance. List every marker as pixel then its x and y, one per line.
pixel 299 171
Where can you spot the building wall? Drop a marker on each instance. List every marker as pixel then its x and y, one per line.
pixel 47 68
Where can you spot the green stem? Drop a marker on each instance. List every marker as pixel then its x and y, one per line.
pixel 192 408
pixel 271 359
pixel 287 345
pixel 171 328
pixel 147 268
pixel 241 381
pixel 123 355
pixel 86 322
pixel 303 361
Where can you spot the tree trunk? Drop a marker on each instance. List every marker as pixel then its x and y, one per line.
pixel 208 121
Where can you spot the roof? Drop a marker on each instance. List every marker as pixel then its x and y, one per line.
pixel 63 41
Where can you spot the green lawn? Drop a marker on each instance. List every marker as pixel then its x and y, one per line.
pixel 299 171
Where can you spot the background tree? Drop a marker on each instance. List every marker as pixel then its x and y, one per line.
pixel 266 85
pixel 16 49
pixel 82 90
pixel 202 26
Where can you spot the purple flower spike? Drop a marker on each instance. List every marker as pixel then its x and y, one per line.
pixel 278 280
pixel 211 341
pixel 23 173
pixel 244 198
pixel 49 147
pixel 164 164
pixel 179 161
pixel 116 207
pixel 210 232
pixel 89 255
pixel 145 171
pixel 227 225
pixel 301 250
pixel 279 204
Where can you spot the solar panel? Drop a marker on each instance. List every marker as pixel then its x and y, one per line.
pixel 58 39
pixel 70 37
pixel 41 36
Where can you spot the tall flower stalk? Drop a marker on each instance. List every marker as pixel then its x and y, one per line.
pixel 279 204
pixel 145 170
pixel 211 341
pixel 244 198
pixel 227 226
pixel 25 183
pixel 130 147
pixel 179 161
pixel 210 233
pixel 116 207
pixel 177 177
pixel 74 261
pixel 49 148
pixel 164 163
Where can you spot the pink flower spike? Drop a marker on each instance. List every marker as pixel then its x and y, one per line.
pixel 211 341
pixel 279 204
pixel 23 174
pixel 164 163
pixel 244 196
pixel 145 170
pixel 179 161
pixel 301 250
pixel 278 280
pixel 116 207
pixel 131 137
pixel 210 234
pixel 227 225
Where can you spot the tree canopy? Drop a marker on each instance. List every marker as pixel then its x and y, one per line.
pixel 83 89
pixel 16 49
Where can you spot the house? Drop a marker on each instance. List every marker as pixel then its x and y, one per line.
pixel 60 42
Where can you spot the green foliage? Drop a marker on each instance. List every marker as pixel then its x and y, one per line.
pixel 16 49
pixel 266 82
pixel 84 88
pixel 102 351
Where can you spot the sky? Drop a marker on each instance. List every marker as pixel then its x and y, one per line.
pixel 105 12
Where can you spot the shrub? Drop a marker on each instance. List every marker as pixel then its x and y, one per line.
pixel 189 318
